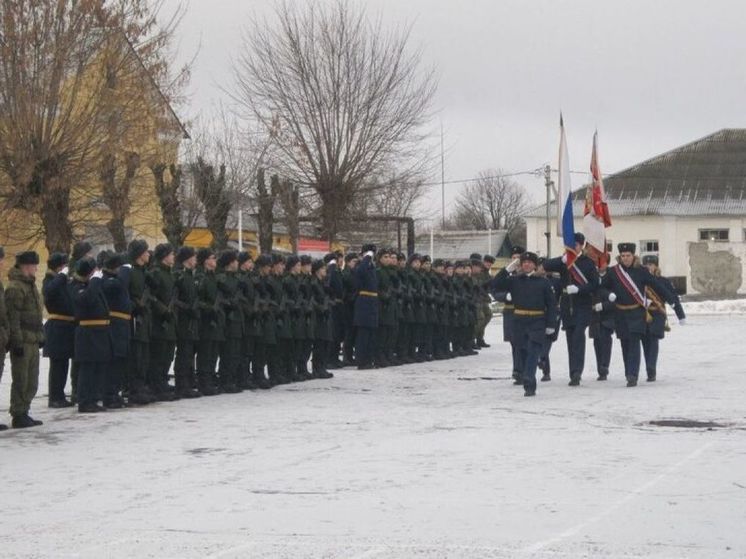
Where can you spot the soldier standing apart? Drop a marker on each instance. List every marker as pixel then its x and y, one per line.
pixel 601 328
pixel 160 280
pixel 211 322
pixel 627 282
pixel 366 308
pixel 576 304
pixel 23 305
pixel 93 351
pixel 116 276
pixel 187 323
pixel 657 327
pixel 59 329
pixel 138 391
pixel 3 326
pixel 534 314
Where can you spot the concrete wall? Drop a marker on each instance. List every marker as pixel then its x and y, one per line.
pixel 711 268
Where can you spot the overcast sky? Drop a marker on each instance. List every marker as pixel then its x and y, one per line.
pixel 649 74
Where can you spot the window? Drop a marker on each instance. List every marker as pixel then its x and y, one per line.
pixel 610 245
pixel 720 235
pixel 648 246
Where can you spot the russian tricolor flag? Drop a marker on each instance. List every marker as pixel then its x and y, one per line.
pixel 565 224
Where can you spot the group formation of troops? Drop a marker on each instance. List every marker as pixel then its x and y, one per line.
pixel 541 296
pixel 118 324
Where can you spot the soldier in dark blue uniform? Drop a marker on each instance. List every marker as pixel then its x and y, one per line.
pixel 601 328
pixel 580 281
pixel 93 344
pixel 657 327
pixel 545 363
pixel 115 287
pixel 627 282
pixel 59 329
pixel 335 289
pixel 366 308
pixel 534 314
pixel 507 313
pixel 348 308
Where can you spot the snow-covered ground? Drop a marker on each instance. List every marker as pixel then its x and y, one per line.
pixel 443 459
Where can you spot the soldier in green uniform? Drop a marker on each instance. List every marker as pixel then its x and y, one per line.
pixel 160 280
pixel 386 310
pixel 266 344
pixel 137 388
pixel 442 309
pixel 230 348
pixel 294 305
pixel 26 336
pixel 431 317
pixel 481 278
pixel 308 318
pixel 280 360
pixel 3 325
pixel 419 315
pixel 211 322
pixel 249 301
pixel 322 330
pixel 186 305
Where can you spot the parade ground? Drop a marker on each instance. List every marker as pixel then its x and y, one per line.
pixel 440 459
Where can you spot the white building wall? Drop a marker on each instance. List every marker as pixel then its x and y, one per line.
pixel 674 234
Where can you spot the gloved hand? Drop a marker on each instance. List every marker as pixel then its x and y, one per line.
pixel 17 351
pixel 126 265
pixel 572 289
pixel 682 322
pixel 612 297
pixel 564 258
pixel 513 266
pixel 549 331
pixel 97 274
pixel 598 307
pixel 508 297
pixel 65 270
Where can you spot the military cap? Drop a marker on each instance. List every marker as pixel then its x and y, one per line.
pixel 136 249
pixel 113 261
pixel 203 254
pixel 227 257
pixel 162 250
pixel 475 256
pixel 305 260
pixel 517 250
pixel 351 256
pixel 532 256
pixel 85 266
pixel 438 262
pixel 650 259
pixel 369 247
pixel 489 259
pixel 27 257
pixel 580 238
pixel 291 262
pixel 476 262
pixel 80 249
pixel 57 260
pixel 263 260
pixel 184 254
pixel 316 265
pixel 626 247
pixel 101 257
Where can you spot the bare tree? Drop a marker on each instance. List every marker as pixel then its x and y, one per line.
pixel 265 202
pixel 289 197
pixel 117 194
pixel 168 188
pixel 343 97
pixel 493 201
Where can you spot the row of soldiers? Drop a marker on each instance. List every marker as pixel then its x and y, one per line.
pixel 118 324
pixel 627 299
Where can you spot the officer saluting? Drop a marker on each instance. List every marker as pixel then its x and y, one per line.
pixel 366 308
pixel 534 316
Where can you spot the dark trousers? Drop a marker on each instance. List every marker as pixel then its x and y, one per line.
pixel 184 364
pixel 544 358
pixel 427 338
pixel 650 345
pixel 138 366
pixel 230 357
pixel 576 347
pixel 248 346
pixel 530 352
pixel 365 346
pixel 58 369
pixel 207 360
pixel 602 345
pixel 288 355
pixel 631 355
pixel 349 343
pixel 91 381
pixel 383 341
pixel 275 362
pixel 161 357
pixel 402 342
pixel 305 347
pixel 114 376
pixel 319 355
pixel 259 359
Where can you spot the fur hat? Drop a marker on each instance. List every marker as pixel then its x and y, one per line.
pixel 580 239
pixel 113 261
pixel 184 254
pixel 475 256
pixel 278 259
pixel 414 257
pixel 101 257
pixel 85 266
pixel 243 257
pixel 57 260
pixel 489 259
pixel 329 257
pixel 369 247
pixel 291 262
pixel 263 260
pixel 532 256
pixel 80 249
pixel 136 249
pixel 226 258
pixel 517 249
pixel 316 265
pixel 162 250
pixel 306 260
pixel 626 247
pixel 203 254
pixel 438 262
pixel 27 257
pixel 649 259
pixel 351 256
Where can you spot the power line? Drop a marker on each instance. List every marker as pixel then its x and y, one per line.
pixel 538 172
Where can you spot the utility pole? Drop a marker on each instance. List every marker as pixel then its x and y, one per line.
pixel 548 182
pixel 442 181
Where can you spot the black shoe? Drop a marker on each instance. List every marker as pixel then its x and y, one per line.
pixel 64 403
pixel 231 389
pixel 188 393
pixel 334 364
pixel 545 377
pixel 114 404
pixel 482 343
pixel 651 378
pixel 365 367
pixel 347 363
pixel 574 380
pixel 529 393
pixel 631 381
pixel 90 408
pixel 602 376
pixel 138 399
pixel 23 421
pixel 165 396
pixel 322 374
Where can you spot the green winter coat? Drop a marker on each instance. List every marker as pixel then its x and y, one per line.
pixel 3 322
pixel 187 305
pixel 160 280
pixel 24 309
pixel 140 297
pixel 386 297
pixel 211 315
pixel 228 297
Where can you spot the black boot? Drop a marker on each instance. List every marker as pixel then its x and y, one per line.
pixel 482 343
pixel 603 373
pixel 651 376
pixel 90 408
pixel 64 403
pixel 23 421
pixel 631 381
pixel 574 380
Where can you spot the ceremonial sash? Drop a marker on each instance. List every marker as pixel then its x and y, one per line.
pixel 577 275
pixel 657 304
pixel 631 287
